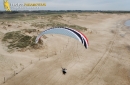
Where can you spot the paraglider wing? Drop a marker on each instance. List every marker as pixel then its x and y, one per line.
pixel 85 39
pixel 82 36
pixel 65 31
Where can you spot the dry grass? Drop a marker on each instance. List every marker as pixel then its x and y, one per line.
pixel 57 24
pixel 17 39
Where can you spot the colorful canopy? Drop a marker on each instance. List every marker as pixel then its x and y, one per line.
pixel 68 32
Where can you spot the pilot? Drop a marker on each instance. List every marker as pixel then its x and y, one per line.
pixel 64 71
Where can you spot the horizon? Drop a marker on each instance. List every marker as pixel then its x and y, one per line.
pixel 73 10
pixel 119 5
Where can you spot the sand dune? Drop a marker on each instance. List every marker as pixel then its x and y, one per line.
pixel 105 62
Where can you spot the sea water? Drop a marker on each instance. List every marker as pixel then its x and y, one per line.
pixel 127 23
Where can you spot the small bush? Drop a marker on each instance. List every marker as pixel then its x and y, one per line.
pixel 39 25
pixel 29 30
pixel 17 39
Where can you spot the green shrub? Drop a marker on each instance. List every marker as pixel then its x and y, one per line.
pixel 17 39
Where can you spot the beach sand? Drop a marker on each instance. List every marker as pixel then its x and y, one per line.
pixel 105 62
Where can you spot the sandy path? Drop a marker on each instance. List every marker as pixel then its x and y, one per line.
pixel 46 67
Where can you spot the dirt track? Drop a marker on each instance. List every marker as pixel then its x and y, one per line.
pixel 105 62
